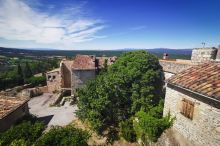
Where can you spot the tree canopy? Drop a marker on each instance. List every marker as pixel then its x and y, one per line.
pixel 133 83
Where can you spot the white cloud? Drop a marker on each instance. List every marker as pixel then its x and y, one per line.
pixel 19 21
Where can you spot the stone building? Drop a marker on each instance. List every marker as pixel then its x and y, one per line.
pixel 193 98
pixel 201 55
pixel 73 74
pixel 11 110
pixel 84 68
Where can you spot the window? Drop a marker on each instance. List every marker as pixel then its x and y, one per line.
pixel 49 77
pixel 187 108
pixel 54 77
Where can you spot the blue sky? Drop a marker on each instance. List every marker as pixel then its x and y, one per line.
pixel 109 24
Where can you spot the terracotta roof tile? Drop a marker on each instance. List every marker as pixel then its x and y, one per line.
pixel 9 104
pixel 84 62
pixel 203 79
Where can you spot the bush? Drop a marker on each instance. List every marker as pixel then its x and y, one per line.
pixel 127 130
pixel 35 81
pixel 26 131
pixel 67 136
pixel 149 128
pixel 20 142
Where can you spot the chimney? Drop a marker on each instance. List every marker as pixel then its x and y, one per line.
pixel 218 54
pixel 165 56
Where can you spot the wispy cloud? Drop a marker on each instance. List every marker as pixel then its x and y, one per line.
pixel 20 21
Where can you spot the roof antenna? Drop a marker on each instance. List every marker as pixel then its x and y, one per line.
pixel 203 43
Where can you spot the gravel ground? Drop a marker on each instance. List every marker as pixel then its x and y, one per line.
pixel 40 107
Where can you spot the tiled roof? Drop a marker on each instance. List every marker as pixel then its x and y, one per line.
pixel 203 79
pixel 84 62
pixel 9 104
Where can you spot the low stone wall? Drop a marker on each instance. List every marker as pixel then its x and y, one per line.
pixel 174 66
pixel 15 90
pixel 203 129
pixel 31 92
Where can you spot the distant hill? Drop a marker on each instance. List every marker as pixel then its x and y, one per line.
pixel 164 50
pixel 174 53
pixel 171 51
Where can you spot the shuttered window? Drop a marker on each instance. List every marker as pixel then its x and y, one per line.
pixel 187 108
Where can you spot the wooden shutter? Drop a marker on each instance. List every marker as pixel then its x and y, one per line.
pixel 187 108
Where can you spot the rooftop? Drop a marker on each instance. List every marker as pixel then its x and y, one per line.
pixel 84 62
pixel 203 79
pixel 9 104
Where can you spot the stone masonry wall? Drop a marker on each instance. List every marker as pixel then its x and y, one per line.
pixel 174 66
pixel 201 55
pixel 80 77
pixel 203 129
pixel 54 82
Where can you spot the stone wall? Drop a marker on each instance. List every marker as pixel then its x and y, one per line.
pixel 203 129
pixel 171 137
pixel 65 67
pixel 174 66
pixel 201 55
pixel 80 77
pixel 218 54
pixel 7 121
pixel 53 81
pixel 32 92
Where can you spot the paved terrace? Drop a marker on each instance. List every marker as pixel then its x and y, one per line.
pixel 51 115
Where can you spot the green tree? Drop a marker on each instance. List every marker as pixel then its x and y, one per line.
pixel 133 83
pixel 27 71
pixel 20 77
pixel 64 136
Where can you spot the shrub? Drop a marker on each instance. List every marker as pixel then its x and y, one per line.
pixel 127 130
pixel 149 128
pixel 26 131
pixel 67 136
pixel 20 142
pixel 35 81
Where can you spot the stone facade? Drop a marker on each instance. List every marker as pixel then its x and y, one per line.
pixel 53 80
pixel 65 68
pixel 203 129
pixel 80 77
pixel 201 55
